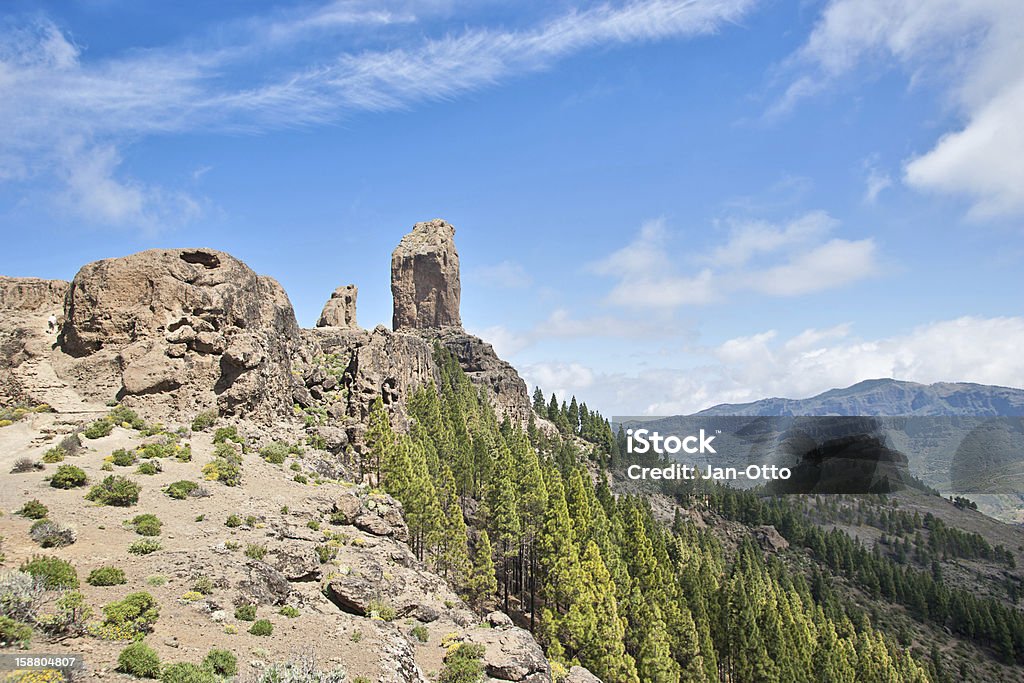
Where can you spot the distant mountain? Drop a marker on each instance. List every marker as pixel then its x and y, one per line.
pixel 890 397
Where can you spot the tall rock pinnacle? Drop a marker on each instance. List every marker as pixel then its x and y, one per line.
pixel 425 278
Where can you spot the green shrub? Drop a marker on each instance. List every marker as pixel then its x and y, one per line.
pixel 22 465
pixel 180 490
pixel 204 420
pixel 275 452
pixel 203 585
pixel 261 627
pixel 157 450
pixel 106 576
pixel 50 534
pixel 147 525
pixel 326 552
pixel 123 458
pixel 99 428
pixel 126 417
pixel 233 521
pixel 224 434
pixel 55 454
pixel 224 471
pixel 301 670
pixel 68 477
pixel 184 453
pixel 463 665
pixel 136 613
pixel 381 610
pixel 144 547
pixel 246 612
pixel 221 662
pixel 150 467
pixel 289 611
pixel 420 633
pixel 139 660
pixel 255 551
pixel 313 524
pixel 301 479
pixel 251 521
pixel 55 573
pixel 14 633
pixel 33 509
pixel 186 672
pixel 70 616
pixel 115 490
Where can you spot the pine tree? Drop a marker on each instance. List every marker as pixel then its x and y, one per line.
pixel 482 582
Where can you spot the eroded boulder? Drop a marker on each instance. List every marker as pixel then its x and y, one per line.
pixel 340 309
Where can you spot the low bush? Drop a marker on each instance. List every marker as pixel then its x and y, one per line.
pixel 33 509
pixel 22 465
pixel 246 612
pixel 203 585
pixel 68 477
pixel 21 595
pixel 71 444
pixel 50 534
pixel 115 490
pixel 261 627
pixel 326 552
pixel 106 576
pixel 139 660
pixel 14 633
pixel 150 467
pixel 123 458
pixel 462 664
pixel 221 662
pixel 144 547
pixel 53 572
pixel 126 417
pixel 224 471
pixel 204 420
pixel 135 614
pixel 158 450
pixel 301 670
pixel 275 452
pixel 55 454
pixel 233 521
pixel 289 611
pixel 255 551
pixel 98 429
pixel 183 453
pixel 70 616
pixel 180 490
pixel 147 525
pixel 378 609
pixel 224 434
pixel 186 672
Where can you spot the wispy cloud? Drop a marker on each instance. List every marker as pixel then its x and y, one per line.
pixel 969 48
pixel 52 95
pixel 655 272
pixel 503 275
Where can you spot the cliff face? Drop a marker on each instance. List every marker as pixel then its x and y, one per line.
pixel 31 294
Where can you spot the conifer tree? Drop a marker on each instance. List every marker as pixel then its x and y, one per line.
pixel 482 582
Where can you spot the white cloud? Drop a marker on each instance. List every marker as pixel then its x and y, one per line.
pixel 967 349
pixel 875 183
pixel 778 260
pixel 562 379
pixel 51 92
pixel 971 48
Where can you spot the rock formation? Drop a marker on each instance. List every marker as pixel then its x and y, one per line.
pixel 180 330
pixel 340 309
pixel 425 278
pixel 31 293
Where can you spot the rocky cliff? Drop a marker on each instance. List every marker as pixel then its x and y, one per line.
pixel 425 278
pixel 31 294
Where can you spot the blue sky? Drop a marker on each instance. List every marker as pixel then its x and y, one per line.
pixel 660 205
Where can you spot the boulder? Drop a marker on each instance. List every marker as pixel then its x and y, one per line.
pixel 353 593
pixel 340 309
pixel 264 585
pixel 579 674
pixel 511 654
pixel 425 278
pixel 181 330
pixel 296 561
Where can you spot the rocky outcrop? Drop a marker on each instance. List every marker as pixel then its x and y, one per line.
pixel 340 309
pixel 511 653
pixel 31 293
pixel 181 330
pixel 425 278
pixel 579 674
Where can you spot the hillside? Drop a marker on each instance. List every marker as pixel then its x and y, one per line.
pixel 186 468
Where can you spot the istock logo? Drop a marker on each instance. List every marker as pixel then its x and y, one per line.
pixel 642 441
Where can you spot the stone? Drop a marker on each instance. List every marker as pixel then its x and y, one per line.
pixel 499 620
pixel 511 654
pixel 133 314
pixel 264 585
pixel 579 674
pixel 296 562
pixel 352 593
pixel 32 293
pixel 340 309
pixel 425 278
